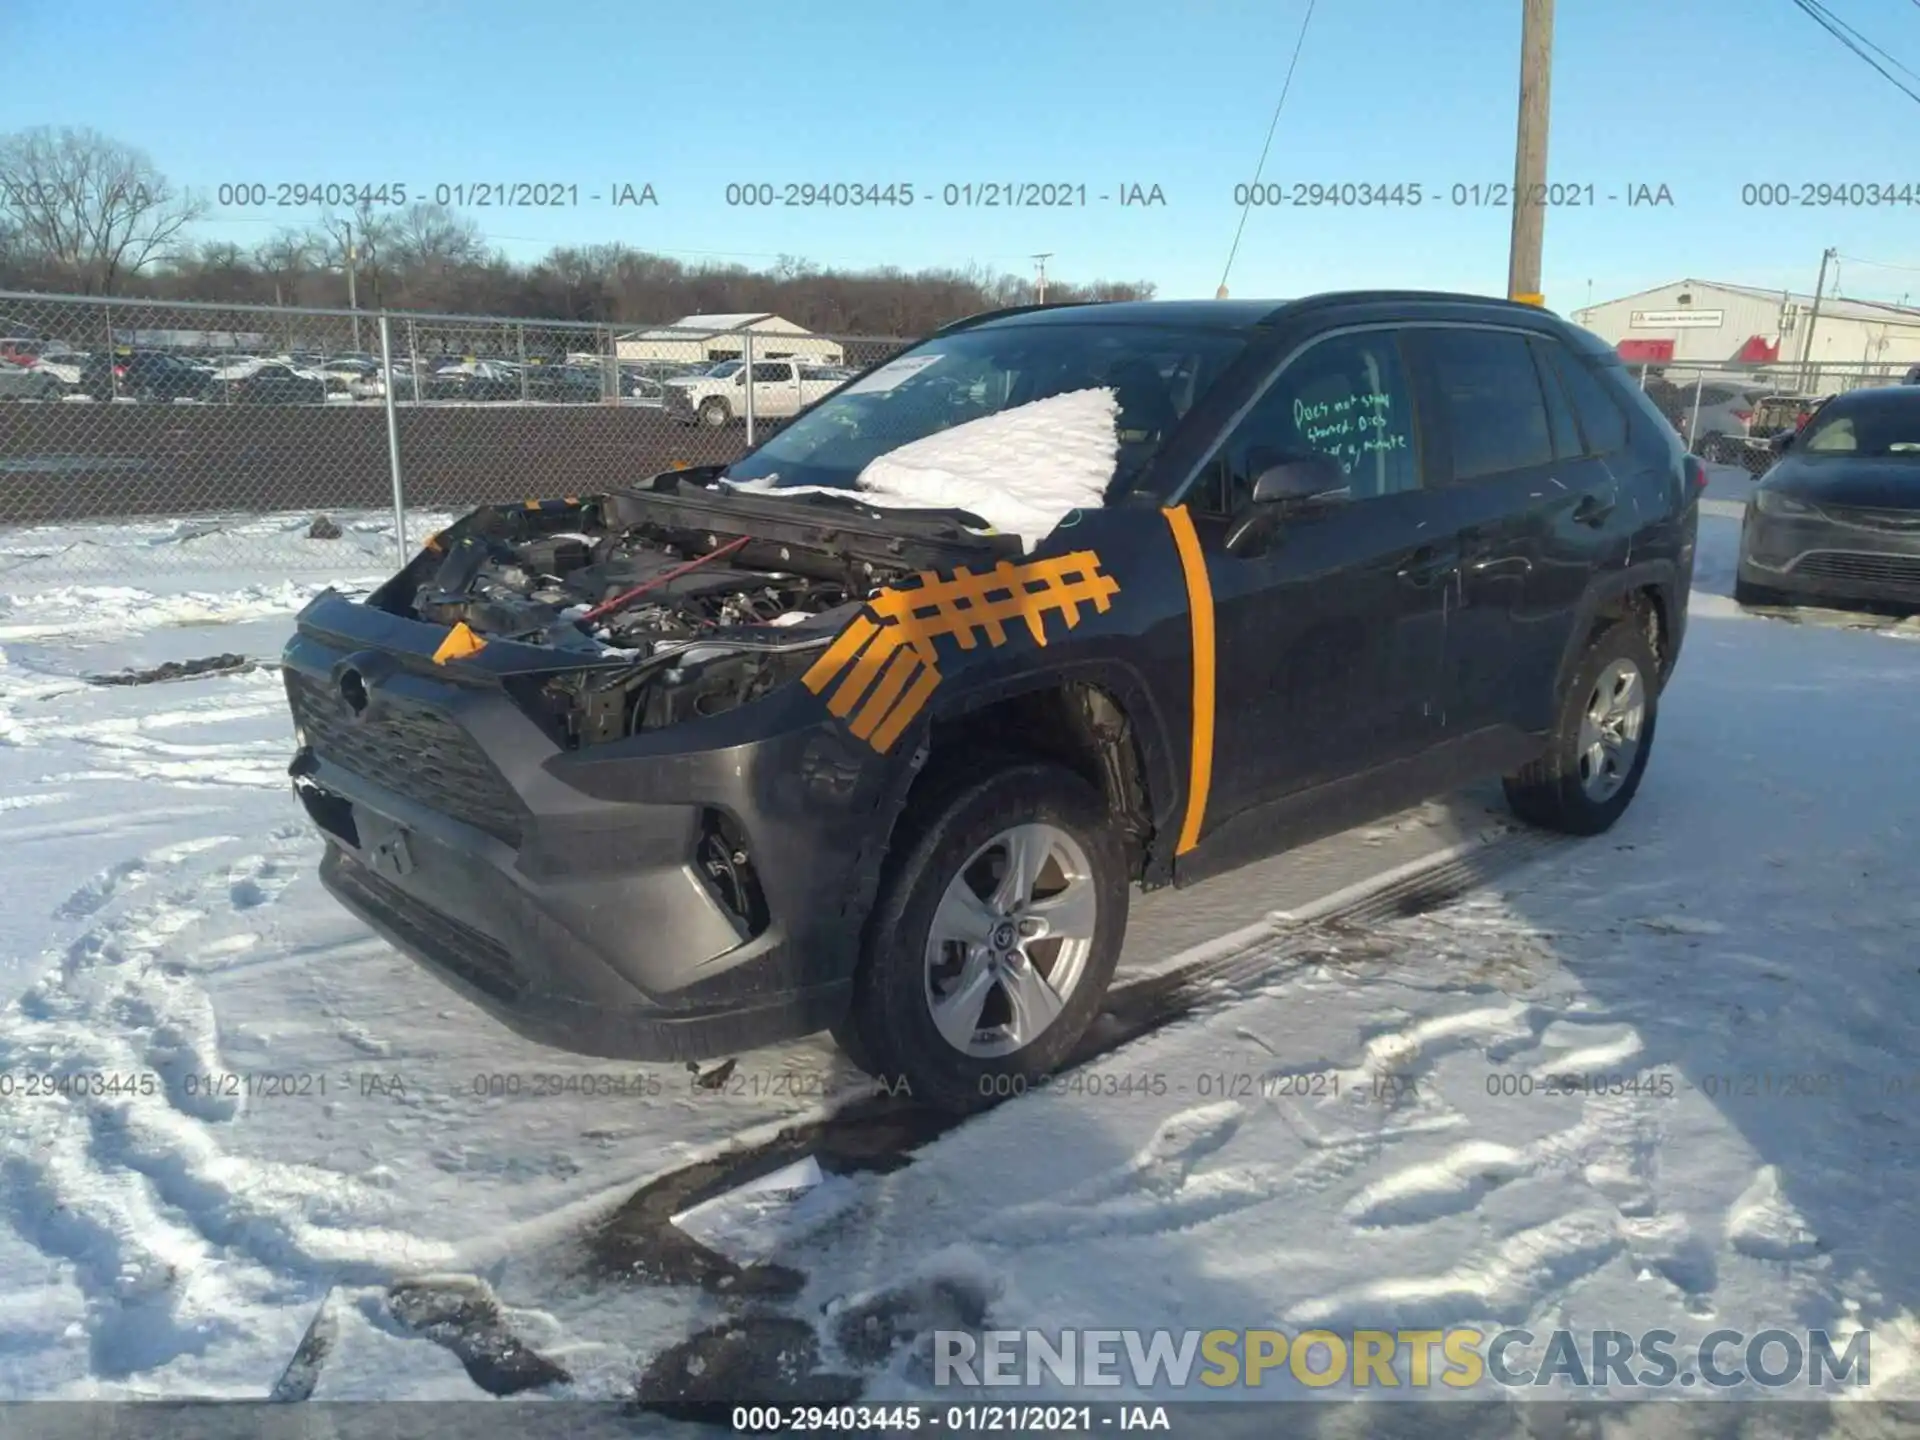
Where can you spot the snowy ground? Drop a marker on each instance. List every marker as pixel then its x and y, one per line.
pixel 311 1120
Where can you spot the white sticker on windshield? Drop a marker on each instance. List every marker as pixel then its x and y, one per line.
pixel 891 374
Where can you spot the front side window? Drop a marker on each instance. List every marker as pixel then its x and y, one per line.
pixel 1345 397
pixel 1155 373
pixel 770 370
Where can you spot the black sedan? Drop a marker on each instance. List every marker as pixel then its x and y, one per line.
pixel 276 385
pixel 1838 518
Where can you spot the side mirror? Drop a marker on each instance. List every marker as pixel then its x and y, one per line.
pixel 1779 443
pixel 1313 478
pixel 1279 488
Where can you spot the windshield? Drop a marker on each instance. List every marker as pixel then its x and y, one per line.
pixel 1156 373
pixel 722 370
pixel 1873 431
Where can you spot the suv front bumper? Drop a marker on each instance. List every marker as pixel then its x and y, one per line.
pixel 580 910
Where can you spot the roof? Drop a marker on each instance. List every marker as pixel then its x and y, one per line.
pixel 1227 314
pixel 714 324
pixel 1830 305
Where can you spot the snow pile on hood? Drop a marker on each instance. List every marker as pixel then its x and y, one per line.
pixel 1021 470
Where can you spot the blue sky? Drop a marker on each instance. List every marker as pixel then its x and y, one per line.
pixel 1701 96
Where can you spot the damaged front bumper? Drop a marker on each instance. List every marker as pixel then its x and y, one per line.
pixel 677 895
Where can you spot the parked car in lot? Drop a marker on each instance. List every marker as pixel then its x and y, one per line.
pixel 64 365
pixel 275 384
pixel 473 380
pixel 1838 519
pixel 745 752
pixel 148 375
pixel 30 382
pixel 1718 420
pixel 566 384
pixel 781 390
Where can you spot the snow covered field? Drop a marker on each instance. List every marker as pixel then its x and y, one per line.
pixel 265 1121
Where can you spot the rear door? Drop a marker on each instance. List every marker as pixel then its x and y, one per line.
pixel 776 389
pixel 1515 472
pixel 1330 635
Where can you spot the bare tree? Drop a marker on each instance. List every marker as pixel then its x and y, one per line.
pixel 90 209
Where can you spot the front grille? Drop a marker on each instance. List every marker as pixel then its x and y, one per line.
pixel 412 751
pixel 459 949
pixel 1897 571
pixel 1896 522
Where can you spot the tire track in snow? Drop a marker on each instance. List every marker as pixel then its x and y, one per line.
pixel 169 1236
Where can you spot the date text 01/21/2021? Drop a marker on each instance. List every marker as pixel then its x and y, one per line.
pixel 457 195
pixel 972 194
pixel 1412 194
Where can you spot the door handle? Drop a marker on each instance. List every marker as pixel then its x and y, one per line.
pixel 1428 564
pixel 1595 506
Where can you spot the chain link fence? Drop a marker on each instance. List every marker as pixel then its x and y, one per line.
pixel 1729 415
pixel 208 436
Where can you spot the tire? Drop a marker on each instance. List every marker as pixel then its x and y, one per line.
pixel 1563 790
pixel 1745 593
pixel 957 836
pixel 715 413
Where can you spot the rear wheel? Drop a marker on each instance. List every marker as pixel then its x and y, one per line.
pixel 993 938
pixel 1601 739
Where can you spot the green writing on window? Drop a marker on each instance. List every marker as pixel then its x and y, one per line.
pixel 1349 429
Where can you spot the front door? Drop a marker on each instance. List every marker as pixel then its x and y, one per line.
pixel 1330 634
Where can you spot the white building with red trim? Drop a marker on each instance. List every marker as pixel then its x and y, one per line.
pixel 1695 324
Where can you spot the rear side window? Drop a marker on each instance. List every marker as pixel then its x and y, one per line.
pixel 1567 444
pixel 1602 420
pixel 1490 394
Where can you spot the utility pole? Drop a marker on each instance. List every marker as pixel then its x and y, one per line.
pixel 1530 153
pixel 1040 265
pixel 353 297
pixel 1813 319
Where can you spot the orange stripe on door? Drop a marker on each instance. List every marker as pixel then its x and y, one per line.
pixel 1193 564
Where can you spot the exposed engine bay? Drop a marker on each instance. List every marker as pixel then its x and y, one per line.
pixel 672 603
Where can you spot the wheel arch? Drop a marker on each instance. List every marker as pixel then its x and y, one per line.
pixel 1646 594
pixel 1097 719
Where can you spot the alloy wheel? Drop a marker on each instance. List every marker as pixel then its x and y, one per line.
pixel 1010 940
pixel 1610 730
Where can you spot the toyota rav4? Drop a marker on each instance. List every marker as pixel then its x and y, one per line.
pixel 875 729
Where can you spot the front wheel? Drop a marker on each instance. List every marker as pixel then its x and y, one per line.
pixel 1601 739
pixel 715 413
pixel 993 938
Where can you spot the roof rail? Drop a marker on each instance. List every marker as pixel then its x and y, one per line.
pixel 967 322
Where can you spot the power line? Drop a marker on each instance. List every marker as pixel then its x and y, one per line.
pixel 1273 125
pixel 1882 264
pixel 1857 43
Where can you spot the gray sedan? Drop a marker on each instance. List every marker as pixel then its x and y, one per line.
pixel 1838 518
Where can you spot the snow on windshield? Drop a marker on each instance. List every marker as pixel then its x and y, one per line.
pixel 1022 470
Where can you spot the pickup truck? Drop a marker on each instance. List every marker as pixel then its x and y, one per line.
pixel 781 390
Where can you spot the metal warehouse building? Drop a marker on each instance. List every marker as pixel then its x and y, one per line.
pixel 699 338
pixel 1703 323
